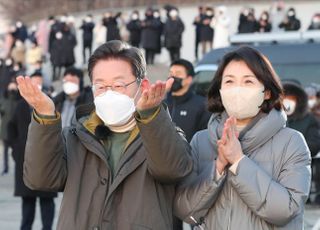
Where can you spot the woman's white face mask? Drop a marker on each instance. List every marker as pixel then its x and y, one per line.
pixel 242 102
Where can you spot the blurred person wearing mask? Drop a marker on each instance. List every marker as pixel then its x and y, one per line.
pixel 290 23
pixel 206 31
pixel 299 116
pixel 7 73
pixel 173 30
pixel 17 137
pixel 7 107
pixel 34 55
pixel 87 36
pixel 21 32
pixel 247 21
pixel 197 22
pixel 63 51
pixel 73 95
pixel 252 171
pixel 151 34
pixel 221 24
pixel 264 24
pixel 110 21
pixel 19 52
pixel 188 110
pixel 315 22
pixel 134 27
pixel 123 156
pixel 277 14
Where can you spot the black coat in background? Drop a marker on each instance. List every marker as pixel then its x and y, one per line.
pixel 111 24
pixel 246 25
pixel 87 34
pixel 206 32
pixel 17 135
pixel 173 30
pixel 135 28
pixel 62 52
pixel 189 112
pixel 293 24
pixel 151 34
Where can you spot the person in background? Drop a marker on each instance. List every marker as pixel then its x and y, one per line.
pixel 197 22
pixel 87 36
pixel 73 95
pixel 151 35
pixel 134 27
pixel 6 72
pixel 20 32
pixel 277 14
pixel 291 22
pixel 17 137
pixel 303 120
pixel 221 24
pixel 99 32
pixel 252 171
pixel 33 57
pixel 315 22
pixel 206 31
pixel 7 107
pixel 19 52
pixel 247 21
pixel 110 22
pixel 173 30
pixel 188 110
pixel 264 23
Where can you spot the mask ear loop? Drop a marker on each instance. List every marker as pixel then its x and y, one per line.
pixel 139 80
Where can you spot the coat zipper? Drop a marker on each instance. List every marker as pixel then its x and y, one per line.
pixel 229 220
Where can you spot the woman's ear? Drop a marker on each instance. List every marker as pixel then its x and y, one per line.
pixel 267 95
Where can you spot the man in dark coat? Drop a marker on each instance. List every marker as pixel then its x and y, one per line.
pixel 198 23
pixel 187 109
pixel 151 35
pixel 73 95
pixel 247 22
pixel 110 22
pixel 63 50
pixel 87 36
pixel 17 135
pixel 173 30
pixel 134 27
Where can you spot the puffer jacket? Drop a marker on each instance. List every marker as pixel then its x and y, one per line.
pixel 269 188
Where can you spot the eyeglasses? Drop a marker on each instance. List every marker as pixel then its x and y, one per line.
pixel 119 87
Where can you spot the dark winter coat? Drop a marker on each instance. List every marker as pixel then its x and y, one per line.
pixel 62 53
pixel 206 31
pixel 111 24
pixel 173 30
pixel 6 75
pixel 151 34
pixel 17 135
pixel 135 28
pixel 189 112
pixel 7 108
pixel 293 24
pixel 302 120
pixel 87 34
pixel 246 25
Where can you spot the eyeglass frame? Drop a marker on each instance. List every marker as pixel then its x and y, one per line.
pixel 138 80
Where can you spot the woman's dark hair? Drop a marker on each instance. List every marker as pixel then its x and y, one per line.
pixel 120 51
pixel 261 68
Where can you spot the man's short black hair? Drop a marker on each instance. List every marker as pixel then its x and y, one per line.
pixel 122 51
pixel 186 64
pixel 37 73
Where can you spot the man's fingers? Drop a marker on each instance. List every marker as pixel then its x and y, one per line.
pixel 169 83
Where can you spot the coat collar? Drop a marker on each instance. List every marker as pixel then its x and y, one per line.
pixel 262 128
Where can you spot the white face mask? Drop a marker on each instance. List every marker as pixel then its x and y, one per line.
pixel 290 106
pixel 312 103
pixel 114 109
pixel 70 88
pixel 134 17
pixel 40 87
pixel 242 102
pixel 173 13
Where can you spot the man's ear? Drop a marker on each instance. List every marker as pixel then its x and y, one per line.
pixel 145 84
